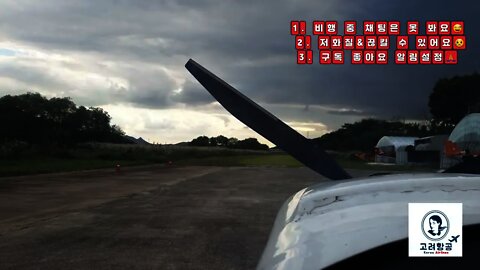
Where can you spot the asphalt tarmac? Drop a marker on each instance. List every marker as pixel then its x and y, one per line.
pixel 151 217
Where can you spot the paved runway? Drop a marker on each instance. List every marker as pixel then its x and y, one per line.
pixel 151 217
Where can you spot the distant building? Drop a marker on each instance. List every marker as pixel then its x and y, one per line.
pixel 393 149
pixel 428 150
pixel 467 133
pixel 464 140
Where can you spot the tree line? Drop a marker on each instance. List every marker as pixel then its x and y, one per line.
pixel 450 101
pixel 35 119
pixel 222 141
pixel 364 135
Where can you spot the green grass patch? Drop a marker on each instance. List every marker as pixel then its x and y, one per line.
pixel 96 156
pixel 278 160
pixel 285 160
pixel 36 160
pixel 52 165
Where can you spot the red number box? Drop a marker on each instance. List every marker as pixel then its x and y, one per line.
pixel 323 42
pixel 412 57
pixel 431 28
pixel 421 42
pixel 457 28
pixel 446 42
pixel 357 57
pixel 394 28
pixel 400 57
pixel 294 27
pixel 412 28
pixel 425 57
pixel 450 57
pixel 383 42
pixel 359 42
pixel 331 28
pixel 382 57
pixel 444 28
pixel 308 42
pixel 299 42
pixel 381 28
pixel 433 42
pixel 301 57
pixel 325 57
pixel 303 28
pixel 309 57
pixel 348 42
pixel 402 42
pixel 338 57
pixel 369 57
pixel 350 27
pixel 336 42
pixel 437 57
pixel 459 42
pixel 369 28
pixel 371 42
pixel 318 28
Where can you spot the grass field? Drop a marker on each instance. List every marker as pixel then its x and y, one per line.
pixel 50 165
pixel 285 160
pixel 281 160
pixel 96 156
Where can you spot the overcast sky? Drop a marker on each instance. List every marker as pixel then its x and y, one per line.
pixel 128 57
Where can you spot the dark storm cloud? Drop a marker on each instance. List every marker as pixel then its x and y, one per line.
pixel 192 94
pixel 28 75
pixel 245 42
pixel 382 91
pixel 150 88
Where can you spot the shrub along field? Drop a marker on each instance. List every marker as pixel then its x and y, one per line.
pixel 44 135
pixel 23 159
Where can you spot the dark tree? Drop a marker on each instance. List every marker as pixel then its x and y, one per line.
pixel 24 118
pixel 213 141
pixel 364 135
pixel 200 141
pixel 35 119
pixel 251 144
pixel 221 140
pixel 454 98
pixel 232 142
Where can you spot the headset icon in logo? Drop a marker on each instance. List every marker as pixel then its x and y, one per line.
pixel 435 225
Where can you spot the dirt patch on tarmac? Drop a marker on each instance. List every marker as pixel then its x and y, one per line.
pixel 144 218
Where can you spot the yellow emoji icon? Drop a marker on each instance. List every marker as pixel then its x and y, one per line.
pixel 459 42
pixel 457 28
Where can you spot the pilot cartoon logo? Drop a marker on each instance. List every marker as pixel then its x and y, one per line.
pixel 435 229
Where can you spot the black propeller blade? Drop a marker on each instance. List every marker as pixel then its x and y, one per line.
pixel 267 125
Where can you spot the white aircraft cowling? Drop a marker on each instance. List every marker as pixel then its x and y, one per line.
pixel 329 222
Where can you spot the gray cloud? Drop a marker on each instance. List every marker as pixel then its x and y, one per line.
pixel 28 75
pixel 149 88
pixel 193 94
pixel 245 42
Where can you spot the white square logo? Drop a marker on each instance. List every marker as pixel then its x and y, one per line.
pixel 435 229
